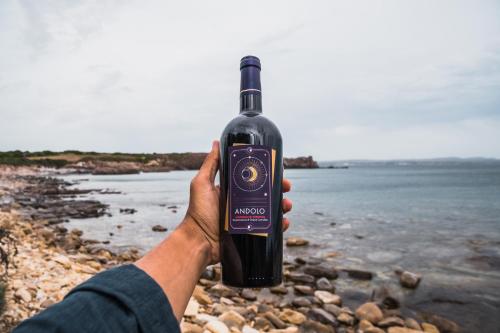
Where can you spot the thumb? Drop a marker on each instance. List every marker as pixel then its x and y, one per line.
pixel 210 165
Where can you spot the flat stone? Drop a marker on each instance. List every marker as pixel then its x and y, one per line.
pixel 296 241
pixel 358 274
pixel 159 228
pixel 222 290
pixel 327 297
pixel 304 290
pixel 292 316
pixel 369 311
pixel 216 326
pixel 324 284
pixel 322 316
pixel 300 277
pixel 281 289
pixel 409 280
pixel 321 271
pixel 301 302
pixel 248 294
pixel 391 321
pixel 192 308
pixel 232 319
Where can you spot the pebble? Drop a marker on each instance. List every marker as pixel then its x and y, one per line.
pixel 429 328
pixel 216 326
pixel 281 289
pixel 369 311
pixel 345 319
pixel 332 308
pixel 190 328
pixel 327 297
pixel 292 317
pixel 304 290
pixel 359 274
pixel 391 321
pixel 316 327
pixel 159 228
pixel 63 260
pixel 296 241
pixel 222 290
pixel 322 316
pixel 248 329
pixel 412 323
pixel 24 294
pixel 324 284
pixel 277 322
pixel 398 329
pixel 232 319
pixel 301 302
pixel 321 271
pixel 192 308
pixel 248 294
pixel 300 277
pixel 409 280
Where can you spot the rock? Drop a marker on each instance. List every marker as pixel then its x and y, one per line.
pixel 208 273
pixel 222 290
pixel 322 316
pixel 190 328
pixel 429 328
pixel 232 319
pixel 296 241
pixel 292 317
pixel 304 290
pixel 321 271
pixel 358 274
pixel 324 284
pixel 409 279
pixel 192 308
pixel 369 311
pixel 327 297
pixel 77 232
pixel 63 260
pixel 391 321
pixel 46 303
pixel 201 296
pixel 262 324
pixel 159 228
pixel 345 318
pixel 203 318
pixel 444 325
pixel 226 301
pixel 291 329
pixel 278 323
pixel 248 294
pixel 332 308
pixel 300 277
pixel 364 324
pixel 216 326
pixel 281 289
pixel 128 210
pixel 219 309
pixel 412 323
pixel 23 294
pixel 301 302
pixel 316 327
pixel 248 329
pixel 397 329
pixel 373 329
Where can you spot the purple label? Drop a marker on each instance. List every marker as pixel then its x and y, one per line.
pixel 249 189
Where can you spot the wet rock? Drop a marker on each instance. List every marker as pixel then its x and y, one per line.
pixel 192 308
pixel 429 328
pixel 327 297
pixel 281 289
pixel 301 302
pixel 216 326
pixel 317 327
pixel 248 294
pixel 345 318
pixel 277 322
pixel 412 323
pixel 369 311
pixel 304 290
pixel 322 316
pixel 444 325
pixel 296 241
pixel 321 271
pixel 232 319
pixel 159 228
pixel 128 210
pixel 358 274
pixel 187 327
pixel 409 279
pixel 300 277
pixel 292 316
pixel 391 321
pixel 324 284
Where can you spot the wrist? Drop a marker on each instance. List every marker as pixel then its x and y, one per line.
pixel 195 240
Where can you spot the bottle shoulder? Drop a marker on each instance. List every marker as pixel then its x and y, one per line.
pixel 251 123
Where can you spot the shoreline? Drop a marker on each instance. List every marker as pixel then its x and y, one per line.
pixel 306 302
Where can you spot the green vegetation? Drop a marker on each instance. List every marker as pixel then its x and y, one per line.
pixel 18 158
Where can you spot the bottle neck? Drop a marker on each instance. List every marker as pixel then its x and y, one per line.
pixel 250 90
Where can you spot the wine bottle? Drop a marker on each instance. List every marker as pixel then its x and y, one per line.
pixel 251 172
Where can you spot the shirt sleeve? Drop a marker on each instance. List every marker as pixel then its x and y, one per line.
pixel 123 299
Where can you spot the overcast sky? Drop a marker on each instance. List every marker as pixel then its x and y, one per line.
pixel 341 79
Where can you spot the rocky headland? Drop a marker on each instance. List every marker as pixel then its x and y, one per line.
pixel 45 260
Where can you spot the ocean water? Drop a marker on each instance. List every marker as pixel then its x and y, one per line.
pixel 441 220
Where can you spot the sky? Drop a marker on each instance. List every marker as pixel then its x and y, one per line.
pixel 341 79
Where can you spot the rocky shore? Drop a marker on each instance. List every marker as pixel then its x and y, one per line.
pixel 50 260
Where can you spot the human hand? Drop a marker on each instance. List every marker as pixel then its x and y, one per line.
pixel 203 210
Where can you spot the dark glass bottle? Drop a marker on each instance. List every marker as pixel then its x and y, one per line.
pixel 251 173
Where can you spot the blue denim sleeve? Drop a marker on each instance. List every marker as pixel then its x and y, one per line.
pixel 123 299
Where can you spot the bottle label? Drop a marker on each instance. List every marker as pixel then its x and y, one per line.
pixel 250 189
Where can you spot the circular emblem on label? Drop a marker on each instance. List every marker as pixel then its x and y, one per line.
pixel 250 174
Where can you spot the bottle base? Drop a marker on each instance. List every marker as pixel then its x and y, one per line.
pixel 257 283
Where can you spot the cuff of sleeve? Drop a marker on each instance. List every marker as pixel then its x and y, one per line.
pixel 138 292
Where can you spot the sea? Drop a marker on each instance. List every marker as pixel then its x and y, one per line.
pixel 440 219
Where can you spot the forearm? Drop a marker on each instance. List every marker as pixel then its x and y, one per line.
pixel 177 263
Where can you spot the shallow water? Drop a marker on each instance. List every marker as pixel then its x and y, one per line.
pixel 439 220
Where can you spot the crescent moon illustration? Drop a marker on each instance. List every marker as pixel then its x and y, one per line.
pixel 253 174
